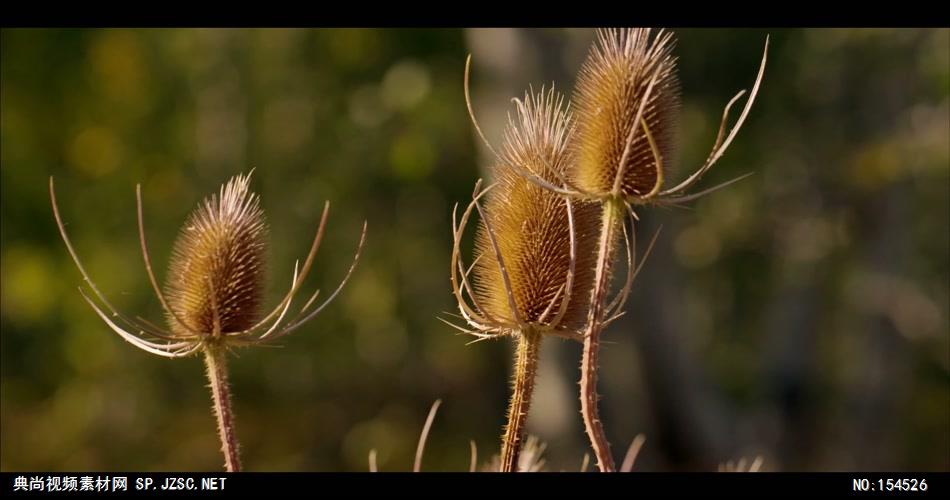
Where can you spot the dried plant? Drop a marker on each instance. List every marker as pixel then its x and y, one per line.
pixel 533 251
pixel 626 99
pixel 214 290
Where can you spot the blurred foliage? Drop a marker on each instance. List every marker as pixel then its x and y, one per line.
pixel 812 298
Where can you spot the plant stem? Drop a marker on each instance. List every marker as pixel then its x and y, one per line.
pixel 611 217
pixel 215 360
pixel 526 367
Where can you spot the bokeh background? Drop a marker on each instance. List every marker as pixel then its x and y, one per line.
pixel 800 315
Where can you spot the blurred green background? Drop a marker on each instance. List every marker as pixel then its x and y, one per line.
pixel 800 315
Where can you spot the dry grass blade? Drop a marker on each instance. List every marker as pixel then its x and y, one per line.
pixel 420 448
pixel 632 452
pixel 473 461
pixel 372 461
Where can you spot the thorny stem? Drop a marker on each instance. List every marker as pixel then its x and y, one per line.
pixel 221 396
pixel 526 367
pixel 611 217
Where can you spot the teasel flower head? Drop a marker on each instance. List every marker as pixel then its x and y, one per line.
pixel 216 277
pixel 215 283
pixel 535 246
pixel 627 86
pixel 532 268
pixel 626 102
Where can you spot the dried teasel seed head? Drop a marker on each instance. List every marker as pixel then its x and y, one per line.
pixel 627 92
pixel 532 227
pixel 216 276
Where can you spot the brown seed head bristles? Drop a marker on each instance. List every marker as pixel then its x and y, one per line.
pixel 214 290
pixel 532 227
pixel 216 276
pixel 611 86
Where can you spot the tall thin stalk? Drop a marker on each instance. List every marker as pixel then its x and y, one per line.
pixel 535 248
pixel 526 367
pixel 216 363
pixel 611 219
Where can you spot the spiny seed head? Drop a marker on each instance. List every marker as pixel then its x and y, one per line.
pixel 531 225
pixel 610 89
pixel 217 265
